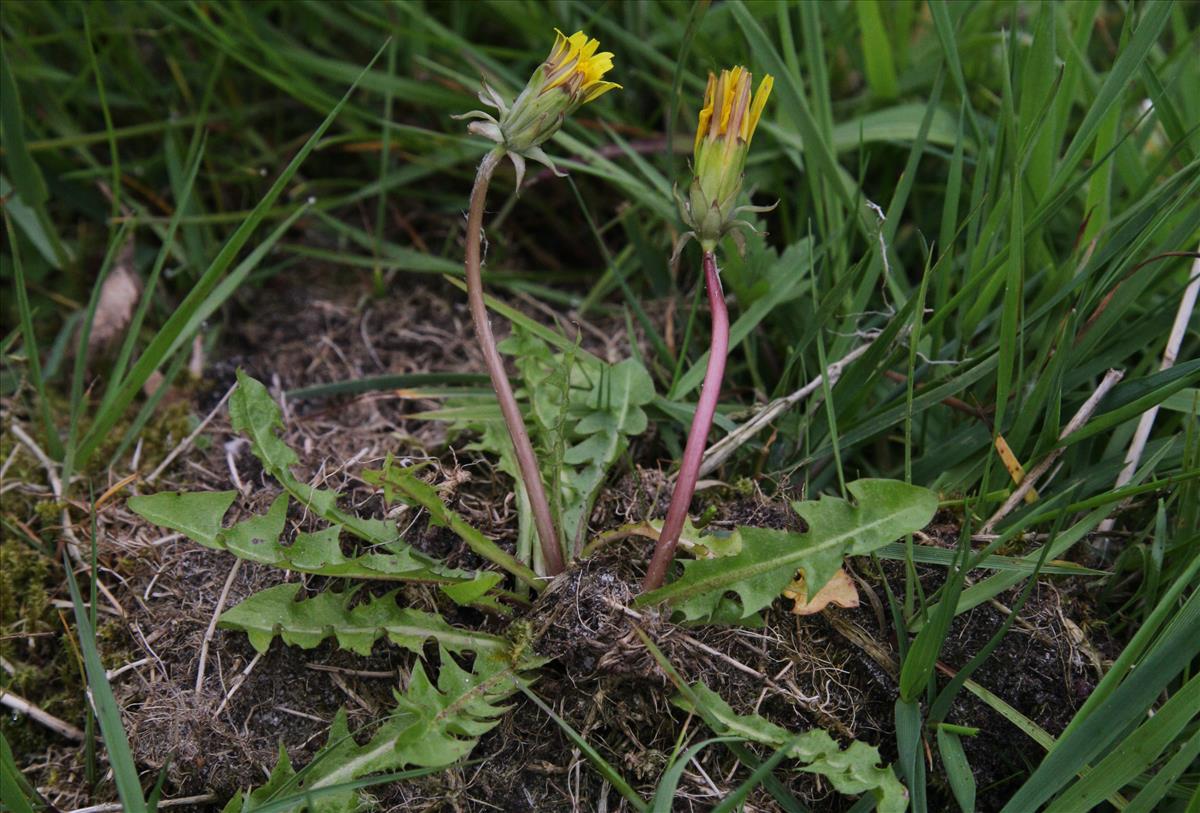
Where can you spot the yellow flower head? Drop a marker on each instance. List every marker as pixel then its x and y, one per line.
pixel 728 109
pixel 575 66
pixel 725 128
pixel 571 76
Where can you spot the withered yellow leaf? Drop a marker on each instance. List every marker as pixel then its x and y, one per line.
pixel 839 591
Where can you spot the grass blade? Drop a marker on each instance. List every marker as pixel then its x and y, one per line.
pixel 1133 754
pixel 610 774
pixel 108 713
pixel 29 338
pixel 958 770
pixel 1129 701
pixel 173 330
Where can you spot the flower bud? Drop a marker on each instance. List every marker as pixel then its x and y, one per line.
pixel 571 76
pixel 726 127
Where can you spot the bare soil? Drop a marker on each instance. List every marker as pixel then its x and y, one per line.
pixel 836 670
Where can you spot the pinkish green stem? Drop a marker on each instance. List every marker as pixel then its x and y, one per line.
pixel 543 520
pixel 693 452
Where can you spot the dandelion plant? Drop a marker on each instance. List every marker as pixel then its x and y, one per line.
pixel 571 76
pixel 726 126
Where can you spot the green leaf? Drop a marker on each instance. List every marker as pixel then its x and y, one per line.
pixel 921 657
pixel 108 711
pixel 899 123
pixel 253 412
pixel 282 774
pixel 474 591
pixel 356 627
pixel 855 770
pixel 881 71
pixel 607 413
pixel 583 412
pixel 910 759
pixel 402 483
pixel 195 515
pixel 33 222
pixel 16 794
pixel 431 726
pixel 943 557
pixel 958 770
pixel 883 511
pixel 258 539
pixel 1133 754
pixel 1186 401
pixel 1152 793
pixel 26 177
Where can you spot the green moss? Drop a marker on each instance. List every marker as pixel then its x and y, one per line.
pixel 24 602
pixel 44 669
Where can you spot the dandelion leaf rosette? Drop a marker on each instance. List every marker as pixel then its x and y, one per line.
pixel 881 511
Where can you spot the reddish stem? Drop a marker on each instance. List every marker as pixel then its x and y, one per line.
pixel 530 473
pixel 693 452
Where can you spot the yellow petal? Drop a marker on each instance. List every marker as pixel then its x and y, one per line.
pixel 560 47
pixel 760 101
pixel 577 40
pixel 588 49
pixel 738 114
pixel 596 67
pixel 721 113
pixel 599 89
pixel 706 111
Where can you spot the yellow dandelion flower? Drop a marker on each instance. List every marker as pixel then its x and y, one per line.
pixel 571 76
pixel 574 63
pixel 724 129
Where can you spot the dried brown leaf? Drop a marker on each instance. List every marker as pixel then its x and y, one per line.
pixel 839 591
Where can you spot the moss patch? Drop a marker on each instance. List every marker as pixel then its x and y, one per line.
pixel 40 664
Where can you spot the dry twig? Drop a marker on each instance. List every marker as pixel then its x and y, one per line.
pixel 1077 420
pixel 186 443
pixel 721 451
pixel 1141 435
pixel 212 624
pixel 22 706
pixel 115 807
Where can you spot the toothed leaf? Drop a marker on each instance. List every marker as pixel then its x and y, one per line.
pixel 258 538
pixel 308 622
pixel 855 770
pixel 432 726
pixel 883 511
pixel 402 484
pixel 197 516
pixel 582 413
